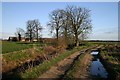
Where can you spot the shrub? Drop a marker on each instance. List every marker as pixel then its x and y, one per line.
pixel 70 46
pixel 49 49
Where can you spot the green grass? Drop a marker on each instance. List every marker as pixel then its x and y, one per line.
pixel 16 56
pixel 22 56
pixel 14 59
pixel 13 52
pixel 13 46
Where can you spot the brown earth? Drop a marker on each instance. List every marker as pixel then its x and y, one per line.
pixel 83 67
pixel 57 71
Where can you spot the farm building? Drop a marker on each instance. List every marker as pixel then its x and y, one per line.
pixel 16 39
pixel 23 39
pixel 12 39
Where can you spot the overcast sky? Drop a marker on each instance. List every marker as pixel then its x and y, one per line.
pixel 104 17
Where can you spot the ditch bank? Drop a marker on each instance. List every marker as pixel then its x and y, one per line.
pixel 110 58
pixel 13 73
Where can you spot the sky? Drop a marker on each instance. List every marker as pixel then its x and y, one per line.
pixel 59 0
pixel 104 17
pixel 119 21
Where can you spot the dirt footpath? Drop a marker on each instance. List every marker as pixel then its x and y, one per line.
pixel 59 70
pixel 83 70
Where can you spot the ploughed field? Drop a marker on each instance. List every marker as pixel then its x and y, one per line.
pixel 36 60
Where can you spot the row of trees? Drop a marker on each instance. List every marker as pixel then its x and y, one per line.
pixel 34 29
pixel 71 23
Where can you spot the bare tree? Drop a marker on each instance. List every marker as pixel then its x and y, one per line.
pixel 30 25
pixel 20 33
pixel 33 29
pixel 37 28
pixel 73 22
pixel 55 21
pixel 66 29
pixel 79 21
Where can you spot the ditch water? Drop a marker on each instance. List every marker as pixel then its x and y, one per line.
pixel 96 68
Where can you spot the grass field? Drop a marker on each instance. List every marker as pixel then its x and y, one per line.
pixel 14 46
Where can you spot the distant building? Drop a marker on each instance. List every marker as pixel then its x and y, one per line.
pixel 34 40
pixel 12 39
pixel 27 40
pixel 23 39
pixel 15 39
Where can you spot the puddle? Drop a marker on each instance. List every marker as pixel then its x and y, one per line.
pixel 94 53
pixel 96 68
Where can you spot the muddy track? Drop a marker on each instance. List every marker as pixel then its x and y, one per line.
pixel 83 64
pixel 59 70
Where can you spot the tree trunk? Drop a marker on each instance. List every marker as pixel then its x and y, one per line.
pixel 76 39
pixel 37 36
pixel 66 40
pixel 57 36
pixel 19 36
pixel 30 36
